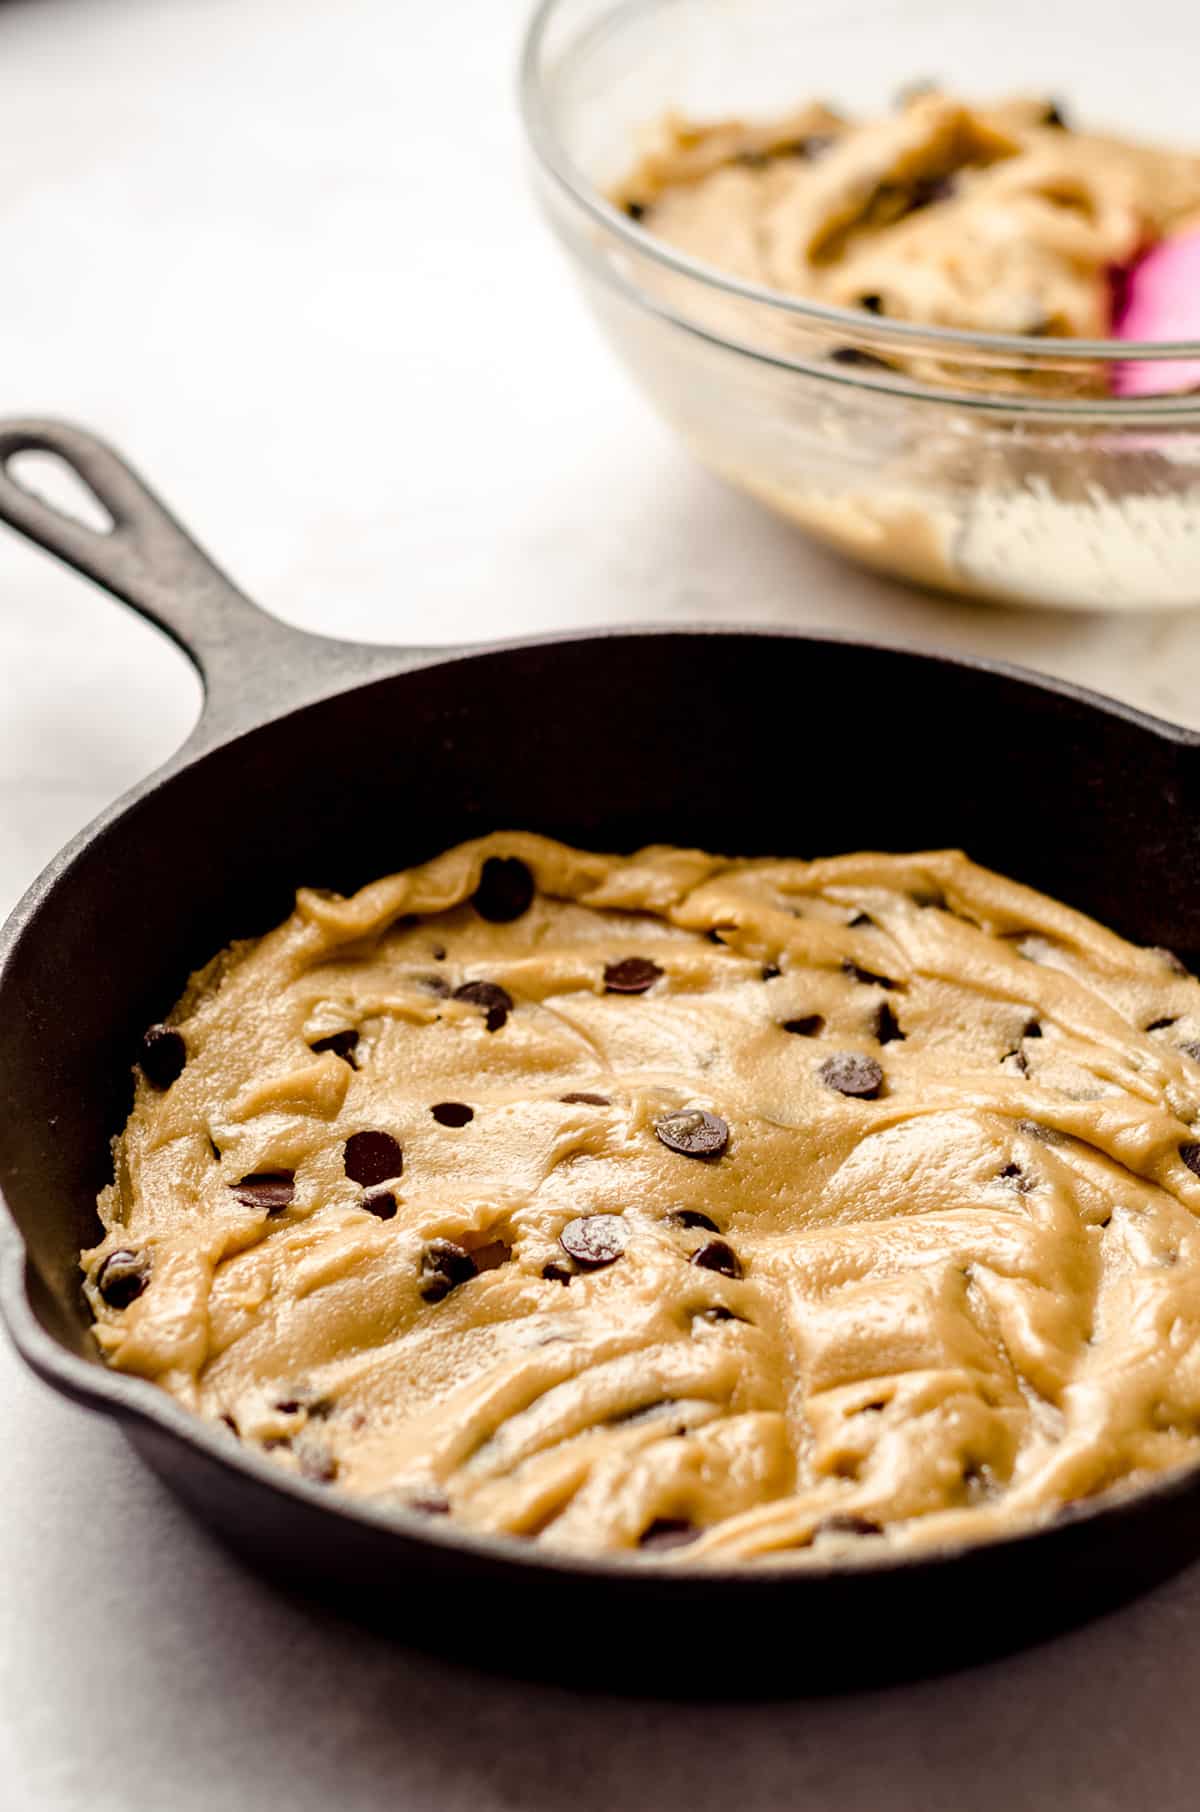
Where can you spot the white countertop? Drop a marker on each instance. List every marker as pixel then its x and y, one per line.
pixel 281 252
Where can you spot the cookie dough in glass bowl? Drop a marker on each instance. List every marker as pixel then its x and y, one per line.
pixel 946 421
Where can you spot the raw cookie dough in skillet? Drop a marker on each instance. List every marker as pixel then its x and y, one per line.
pixel 670 1202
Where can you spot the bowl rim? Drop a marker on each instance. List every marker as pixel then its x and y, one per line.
pixel 556 163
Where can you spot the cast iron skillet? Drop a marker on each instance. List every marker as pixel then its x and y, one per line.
pixel 329 763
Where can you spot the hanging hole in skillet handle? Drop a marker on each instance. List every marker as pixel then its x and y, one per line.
pixel 125 540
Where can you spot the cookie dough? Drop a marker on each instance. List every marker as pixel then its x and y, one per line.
pixel 714 1208
pixel 993 219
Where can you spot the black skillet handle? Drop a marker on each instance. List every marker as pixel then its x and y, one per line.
pixel 146 559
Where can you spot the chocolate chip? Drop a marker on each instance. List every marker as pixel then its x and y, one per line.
pixel 429 1503
pixel 848 1522
pixel 1174 963
pixel 372 1157
pixel 812 146
pixel 806 1027
pixel 872 303
pixel 1018 1061
pixel 582 1099
pixel 1192 1051
pixel 443 1267
pixel 122 1277
pixel 381 1203
pixel 304 1396
pixel 438 953
pixel 770 971
pixel 229 1423
pixel 273 1190
pixel 887 1026
pixel 497 1252
pixel 452 1113
pixel 1191 1157
pixel 868 976
pixel 718 1255
pixel 851 1074
pixel 342 1044
pixel 1014 1175
pixel 1160 1025
pixel 693 1133
pixel 1054 116
pixel 495 1001
pixel 932 189
pixel 505 890
pixel 668 1532
pixel 553 1273
pixel 163 1056
pixel 594 1239
pixel 317 1463
pixel 853 355
pixel 1032 1030
pixel 692 1217
pixel 636 210
pixel 632 975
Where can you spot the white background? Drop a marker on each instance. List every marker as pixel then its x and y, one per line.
pixel 281 251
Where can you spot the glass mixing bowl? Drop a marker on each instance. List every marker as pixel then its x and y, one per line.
pixel 1049 492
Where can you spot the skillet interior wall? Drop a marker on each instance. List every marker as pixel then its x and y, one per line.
pixel 745 744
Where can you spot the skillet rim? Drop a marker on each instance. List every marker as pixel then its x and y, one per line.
pixel 128 1399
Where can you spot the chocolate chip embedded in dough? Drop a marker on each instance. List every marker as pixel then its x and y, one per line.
pixel 632 975
pixel 342 1044
pixel 1015 1176
pixel 381 1203
pixel 443 1267
pixel 122 1277
pixel 317 1463
pixel 636 210
pixel 1032 1030
pixel 853 355
pixel 808 1026
pixel 887 1026
pixel 273 1190
pixel 1018 1061
pixel 429 1503
pixel 553 1273
pixel 1191 1156
pixel 505 890
pixel 693 1133
pixel 848 1522
pixel 1054 116
pixel 452 1113
pixel 594 1239
pixel 851 1074
pixel 496 1001
pixel 163 1055
pixel 668 1532
pixel 692 1217
pixel 438 953
pixel 718 1255
pixel 770 971
pixel 372 1157
pixel 305 1397
pixel 497 1252
pixel 868 976
pixel 580 1098
pixel 871 303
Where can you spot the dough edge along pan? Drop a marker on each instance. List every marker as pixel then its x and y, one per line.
pixel 328 763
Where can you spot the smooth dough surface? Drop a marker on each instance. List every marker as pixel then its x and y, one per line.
pixel 987 219
pixel 942 1308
